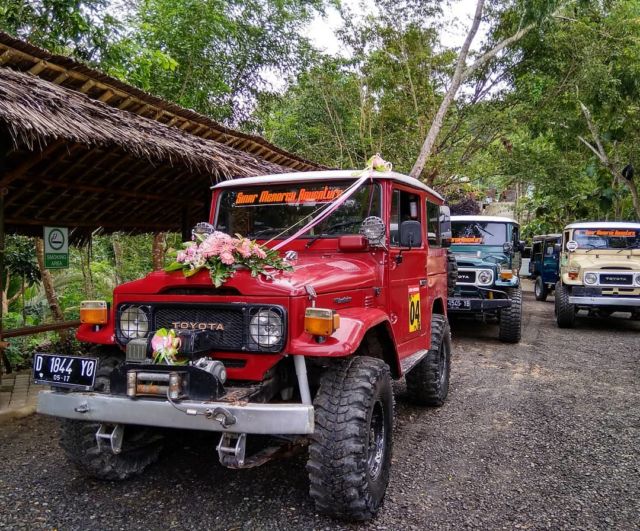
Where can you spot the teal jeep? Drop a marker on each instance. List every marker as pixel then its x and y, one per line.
pixel 488 254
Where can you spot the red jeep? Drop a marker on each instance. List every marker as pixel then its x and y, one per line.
pixel 307 353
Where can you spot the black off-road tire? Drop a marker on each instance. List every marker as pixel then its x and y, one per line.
pixel 428 381
pixel 350 450
pixel 140 447
pixel 565 311
pixel 510 324
pixel 540 290
pixel 452 273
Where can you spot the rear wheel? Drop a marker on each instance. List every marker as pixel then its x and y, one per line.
pixel 540 290
pixel 140 446
pixel 428 381
pixel 565 311
pixel 350 451
pixel 510 319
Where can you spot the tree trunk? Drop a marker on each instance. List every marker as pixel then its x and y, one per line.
pixel 47 283
pixel 157 251
pixel 85 255
pixel 117 256
pixel 456 81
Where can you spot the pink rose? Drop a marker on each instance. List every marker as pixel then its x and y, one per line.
pixel 227 258
pixel 259 252
pixel 181 257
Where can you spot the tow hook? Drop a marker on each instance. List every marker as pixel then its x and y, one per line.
pixel 222 416
pixel 111 433
pixel 82 408
pixel 231 449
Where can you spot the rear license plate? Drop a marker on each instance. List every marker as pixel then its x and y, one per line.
pixel 459 304
pixel 65 371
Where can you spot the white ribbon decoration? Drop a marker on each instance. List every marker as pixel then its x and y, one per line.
pixel 326 211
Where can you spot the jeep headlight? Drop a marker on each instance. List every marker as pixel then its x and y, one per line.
pixel 590 278
pixel 485 276
pixel 134 322
pixel 636 279
pixel 266 328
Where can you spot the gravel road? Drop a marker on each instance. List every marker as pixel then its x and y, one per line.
pixel 544 434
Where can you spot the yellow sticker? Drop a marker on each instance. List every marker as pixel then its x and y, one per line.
pixel 414 309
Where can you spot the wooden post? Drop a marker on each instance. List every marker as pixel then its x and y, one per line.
pixel 5 146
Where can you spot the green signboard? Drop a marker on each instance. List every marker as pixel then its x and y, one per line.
pixel 56 247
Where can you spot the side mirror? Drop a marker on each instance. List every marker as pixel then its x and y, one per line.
pixel 445 226
pixel 410 234
pixel 521 246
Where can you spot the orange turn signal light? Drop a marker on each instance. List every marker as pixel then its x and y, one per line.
pixel 321 321
pixel 506 274
pixel 93 312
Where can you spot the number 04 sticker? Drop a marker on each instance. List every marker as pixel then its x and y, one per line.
pixel 414 309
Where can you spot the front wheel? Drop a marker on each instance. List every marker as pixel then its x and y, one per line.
pixel 511 318
pixel 140 447
pixel 428 381
pixel 350 451
pixel 565 311
pixel 540 290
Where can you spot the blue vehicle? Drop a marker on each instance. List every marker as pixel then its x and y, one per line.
pixel 488 254
pixel 544 267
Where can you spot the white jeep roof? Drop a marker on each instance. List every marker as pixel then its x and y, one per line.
pixel 603 225
pixel 495 219
pixel 324 175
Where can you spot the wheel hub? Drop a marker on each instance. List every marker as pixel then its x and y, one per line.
pixel 377 441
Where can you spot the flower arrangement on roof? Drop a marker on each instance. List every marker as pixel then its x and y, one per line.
pixel 222 254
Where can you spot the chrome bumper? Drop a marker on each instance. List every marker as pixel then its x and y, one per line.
pixel 605 301
pixel 262 419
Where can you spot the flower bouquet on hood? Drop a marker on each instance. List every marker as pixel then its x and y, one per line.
pixel 221 254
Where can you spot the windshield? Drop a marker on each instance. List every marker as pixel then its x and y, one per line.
pixel 478 233
pixel 264 212
pixel 607 238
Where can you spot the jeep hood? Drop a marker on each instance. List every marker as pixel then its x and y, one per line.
pixel 479 255
pixel 607 259
pixel 327 273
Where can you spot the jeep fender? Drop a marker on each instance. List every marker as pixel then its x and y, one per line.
pixel 354 324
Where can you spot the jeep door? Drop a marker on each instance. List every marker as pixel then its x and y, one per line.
pixel 407 279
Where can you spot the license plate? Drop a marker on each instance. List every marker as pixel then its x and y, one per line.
pixel 65 371
pixel 458 304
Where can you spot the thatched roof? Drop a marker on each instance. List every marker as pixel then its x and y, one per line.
pixel 86 151
pixel 37 112
pixel 66 72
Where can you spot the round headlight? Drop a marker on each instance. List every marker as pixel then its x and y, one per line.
pixel 637 279
pixel 590 278
pixel 484 276
pixel 266 328
pixel 134 323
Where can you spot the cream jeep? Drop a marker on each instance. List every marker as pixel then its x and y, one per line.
pixel 599 270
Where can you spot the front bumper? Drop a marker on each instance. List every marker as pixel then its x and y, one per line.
pixel 605 301
pixel 250 418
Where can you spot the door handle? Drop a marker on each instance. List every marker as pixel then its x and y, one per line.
pixel 423 282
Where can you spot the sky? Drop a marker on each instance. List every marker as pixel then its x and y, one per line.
pixel 457 17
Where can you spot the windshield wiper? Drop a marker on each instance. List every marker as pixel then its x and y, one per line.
pixel 328 230
pixel 628 247
pixel 483 230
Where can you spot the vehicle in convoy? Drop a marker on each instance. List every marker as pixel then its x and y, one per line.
pixel 306 353
pixel 544 267
pixel 487 250
pixel 599 270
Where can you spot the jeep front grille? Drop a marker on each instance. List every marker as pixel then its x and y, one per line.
pixel 226 324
